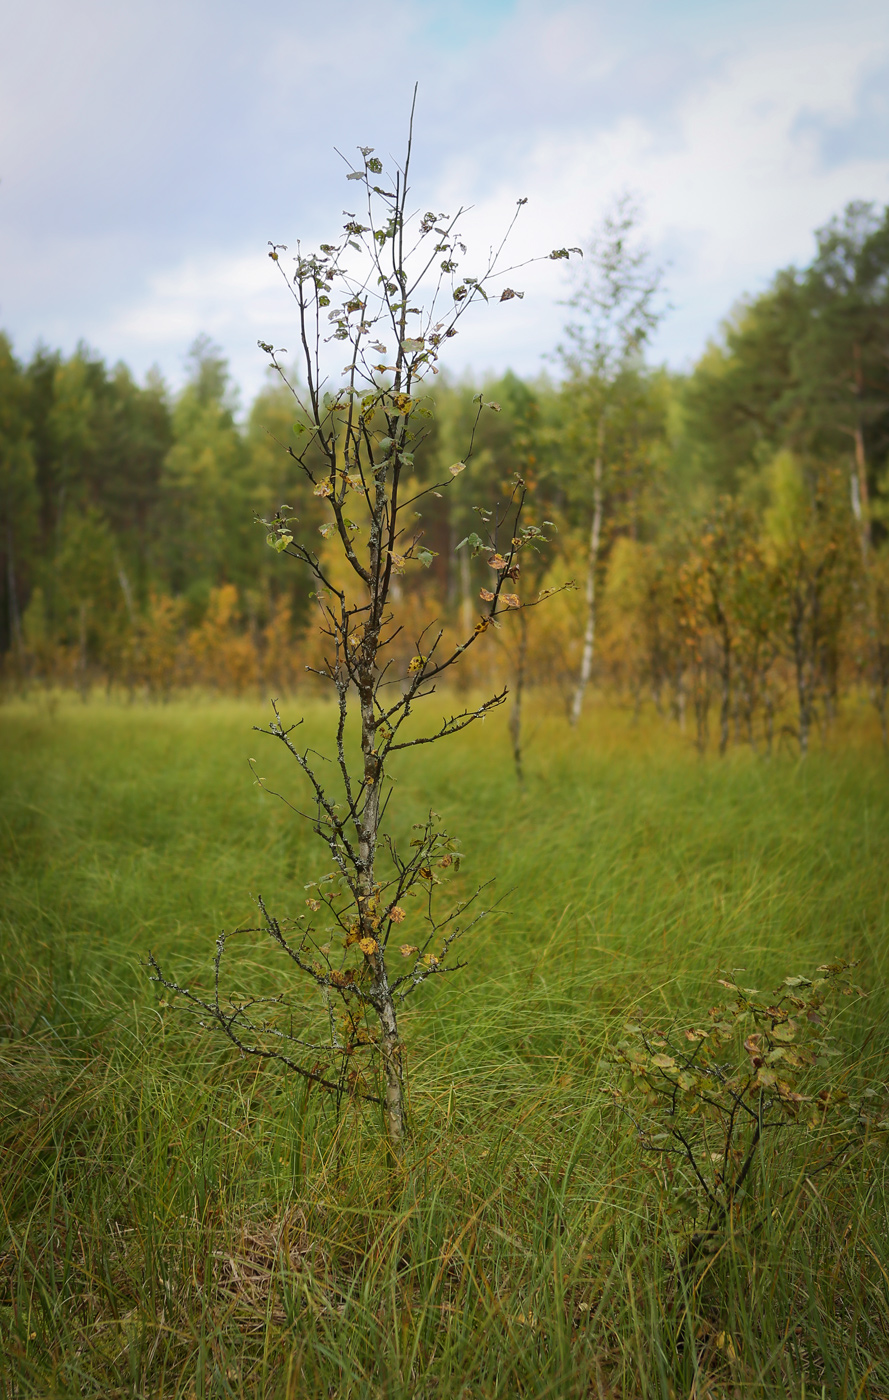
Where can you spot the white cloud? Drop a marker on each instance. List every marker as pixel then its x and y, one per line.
pixel 150 151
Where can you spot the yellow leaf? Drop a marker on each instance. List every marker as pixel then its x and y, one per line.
pixel 323 488
pixel 457 468
pixel 486 595
pixel 396 914
pixel 725 1344
pixel 368 945
pixel 313 905
pixel 407 950
pixel 512 600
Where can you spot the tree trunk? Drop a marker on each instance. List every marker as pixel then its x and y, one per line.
pixel 82 658
pixel 803 676
pixel 15 619
pixel 860 492
pixel 702 709
pixel 589 636
pixel 515 718
pixel 881 686
pixel 465 593
pixel 380 994
pixel 678 701
pixel 726 699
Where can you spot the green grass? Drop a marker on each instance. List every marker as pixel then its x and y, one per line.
pixel 177 1222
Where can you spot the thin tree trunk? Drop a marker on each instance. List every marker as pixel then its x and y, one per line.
pixel 862 513
pixel 15 619
pixel 702 709
pixel 881 687
pixel 803 678
pixel 453 561
pixel 380 994
pixel 589 636
pixel 465 593
pixel 515 718
pixel 82 653
pixel 726 678
pixel 126 590
pixel 677 702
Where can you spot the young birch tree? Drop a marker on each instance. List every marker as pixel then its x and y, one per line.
pixel 615 308
pixel 387 296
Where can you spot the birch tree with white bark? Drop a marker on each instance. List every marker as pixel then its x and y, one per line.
pixel 615 305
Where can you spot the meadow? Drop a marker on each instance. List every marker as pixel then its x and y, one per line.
pixel 179 1222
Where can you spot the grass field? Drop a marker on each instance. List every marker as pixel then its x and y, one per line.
pixel 178 1222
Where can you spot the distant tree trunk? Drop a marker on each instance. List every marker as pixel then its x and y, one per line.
pixel 465 593
pixel 82 660
pixel 589 636
pixel 15 618
pixel 515 718
pixel 678 700
pixel 726 682
pixel 860 492
pixel 804 665
pixel 702 707
pixel 453 561
pixel 126 589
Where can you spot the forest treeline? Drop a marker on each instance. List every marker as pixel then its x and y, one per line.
pixel 728 529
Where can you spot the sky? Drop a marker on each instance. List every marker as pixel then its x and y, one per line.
pixel 150 150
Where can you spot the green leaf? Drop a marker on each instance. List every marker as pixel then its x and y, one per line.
pixel 474 542
pixel 282 542
pixel 426 557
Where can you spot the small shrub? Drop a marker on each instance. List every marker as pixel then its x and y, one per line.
pixel 715 1097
